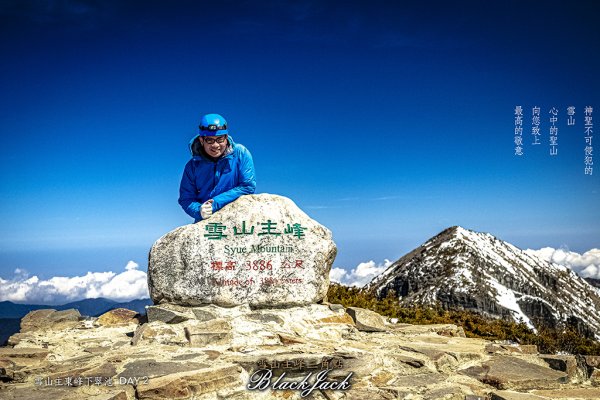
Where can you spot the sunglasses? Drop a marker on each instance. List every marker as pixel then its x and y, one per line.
pixel 212 140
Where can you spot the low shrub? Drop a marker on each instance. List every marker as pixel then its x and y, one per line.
pixel 550 340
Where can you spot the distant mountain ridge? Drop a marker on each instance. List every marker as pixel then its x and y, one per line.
pixel 87 307
pixel 462 269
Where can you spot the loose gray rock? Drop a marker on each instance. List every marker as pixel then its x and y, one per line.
pixel 336 307
pixel 168 313
pixel 366 320
pixel 203 314
pixel 260 250
pixel 266 317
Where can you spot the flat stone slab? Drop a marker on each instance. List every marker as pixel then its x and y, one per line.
pixel 512 349
pixel 212 332
pixel 22 352
pixel 151 368
pixel 441 329
pixel 260 250
pixel 191 384
pixel 510 395
pixel 28 391
pixel 159 332
pixel 420 380
pixel 570 394
pixel 506 372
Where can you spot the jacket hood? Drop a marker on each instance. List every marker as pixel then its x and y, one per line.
pixel 196 149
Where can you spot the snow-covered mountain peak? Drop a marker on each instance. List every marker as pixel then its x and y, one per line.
pixel 464 269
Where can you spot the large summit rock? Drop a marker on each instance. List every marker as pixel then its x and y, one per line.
pixel 260 250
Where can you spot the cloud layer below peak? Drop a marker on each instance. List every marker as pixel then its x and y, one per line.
pixel 128 285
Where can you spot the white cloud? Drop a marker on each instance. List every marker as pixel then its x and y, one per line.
pixel 128 285
pixel 131 265
pixel 359 276
pixel 337 274
pixel 586 265
pixel 22 273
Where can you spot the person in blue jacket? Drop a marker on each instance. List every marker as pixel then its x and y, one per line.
pixel 219 172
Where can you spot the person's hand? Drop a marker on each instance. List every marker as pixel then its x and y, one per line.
pixel 206 209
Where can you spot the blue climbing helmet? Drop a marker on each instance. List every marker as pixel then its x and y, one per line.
pixel 213 125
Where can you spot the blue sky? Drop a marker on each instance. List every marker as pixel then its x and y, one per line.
pixel 384 121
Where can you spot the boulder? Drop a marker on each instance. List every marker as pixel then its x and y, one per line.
pixel 260 250
pixel 49 319
pixel 118 316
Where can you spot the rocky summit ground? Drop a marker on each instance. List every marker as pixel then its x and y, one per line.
pixel 215 353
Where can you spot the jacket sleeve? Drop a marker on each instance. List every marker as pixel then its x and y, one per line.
pixel 187 193
pixel 246 185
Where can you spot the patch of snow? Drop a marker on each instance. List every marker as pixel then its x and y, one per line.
pixel 506 298
pixel 467 274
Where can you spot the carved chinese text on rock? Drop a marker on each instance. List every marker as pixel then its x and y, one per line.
pixel 262 250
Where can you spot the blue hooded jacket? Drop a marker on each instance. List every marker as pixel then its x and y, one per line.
pixel 223 180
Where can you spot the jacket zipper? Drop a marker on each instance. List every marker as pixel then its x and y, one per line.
pixel 215 177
